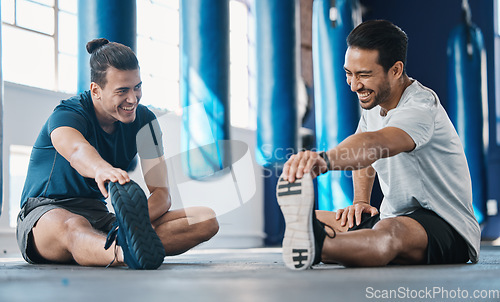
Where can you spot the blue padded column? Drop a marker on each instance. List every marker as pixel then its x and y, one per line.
pixel 337 110
pixel 467 104
pixel 204 84
pixel 274 26
pixel 114 20
pixel 276 84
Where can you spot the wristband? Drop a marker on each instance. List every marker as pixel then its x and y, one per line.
pixel 324 156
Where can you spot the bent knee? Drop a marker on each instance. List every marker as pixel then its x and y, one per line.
pixel 209 228
pixel 199 214
pixel 206 222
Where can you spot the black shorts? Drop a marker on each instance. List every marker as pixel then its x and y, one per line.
pixel 95 211
pixel 445 244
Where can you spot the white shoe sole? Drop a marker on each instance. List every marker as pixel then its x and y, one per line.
pixel 296 201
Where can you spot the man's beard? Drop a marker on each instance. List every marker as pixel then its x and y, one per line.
pixel 380 97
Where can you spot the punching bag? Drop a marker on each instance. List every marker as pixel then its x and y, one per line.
pixel 204 85
pixel 114 20
pixel 337 111
pixel 467 106
pixel 275 92
pixel 276 83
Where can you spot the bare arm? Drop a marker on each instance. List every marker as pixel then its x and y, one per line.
pixel 356 152
pixel 362 149
pixel 363 183
pixel 156 177
pixel 85 159
pixel 363 180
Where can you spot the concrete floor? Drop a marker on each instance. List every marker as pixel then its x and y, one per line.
pixel 248 275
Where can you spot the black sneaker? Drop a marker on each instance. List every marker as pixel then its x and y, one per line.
pixel 142 248
pixel 296 201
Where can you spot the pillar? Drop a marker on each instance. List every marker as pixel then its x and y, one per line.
pixel 114 20
pixel 204 81
pixel 337 110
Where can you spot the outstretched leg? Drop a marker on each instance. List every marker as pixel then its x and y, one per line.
pixel 307 241
pixel 61 236
pixel 398 240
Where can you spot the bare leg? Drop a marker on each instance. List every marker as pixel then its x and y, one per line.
pixel 61 236
pixel 328 218
pixel 181 230
pixel 398 240
pixel 333 227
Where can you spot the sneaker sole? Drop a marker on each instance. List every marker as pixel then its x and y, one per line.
pixel 131 209
pixel 296 201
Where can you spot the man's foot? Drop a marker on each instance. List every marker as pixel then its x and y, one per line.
pixel 296 201
pixel 142 248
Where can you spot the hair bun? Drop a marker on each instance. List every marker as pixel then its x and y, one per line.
pixel 95 44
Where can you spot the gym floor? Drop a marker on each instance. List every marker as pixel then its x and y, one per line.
pixel 246 275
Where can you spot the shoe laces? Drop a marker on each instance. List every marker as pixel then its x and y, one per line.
pixel 110 239
pixel 333 230
pixel 111 235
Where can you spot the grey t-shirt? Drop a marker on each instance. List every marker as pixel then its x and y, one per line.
pixel 435 175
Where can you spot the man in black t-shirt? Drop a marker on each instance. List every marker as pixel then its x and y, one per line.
pixel 81 157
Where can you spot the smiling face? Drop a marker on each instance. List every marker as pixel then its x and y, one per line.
pixel 368 79
pixel 118 99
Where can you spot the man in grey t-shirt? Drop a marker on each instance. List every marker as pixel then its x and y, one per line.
pixel 405 137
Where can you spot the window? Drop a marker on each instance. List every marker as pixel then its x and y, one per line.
pixel 158 27
pixel 39 43
pixel 497 18
pixel 238 35
pixel 19 160
pixel 158 52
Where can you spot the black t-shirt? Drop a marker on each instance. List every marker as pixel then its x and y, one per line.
pixel 51 175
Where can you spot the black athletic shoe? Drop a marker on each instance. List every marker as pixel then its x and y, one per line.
pixel 142 248
pixel 296 201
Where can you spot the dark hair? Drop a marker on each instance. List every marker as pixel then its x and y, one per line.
pixel 390 41
pixel 105 54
